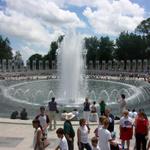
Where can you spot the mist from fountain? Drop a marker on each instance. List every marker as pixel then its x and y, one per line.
pixel 71 69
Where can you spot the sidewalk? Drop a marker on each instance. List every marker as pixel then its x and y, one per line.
pixel 18 134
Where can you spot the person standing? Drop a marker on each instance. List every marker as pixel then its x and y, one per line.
pixel 141 131
pixel 102 107
pixel 104 136
pixel 110 117
pixel 37 134
pixel 44 121
pixel 94 115
pixel 69 131
pixel 52 106
pixel 126 129
pixel 82 136
pixel 86 110
pixel 123 104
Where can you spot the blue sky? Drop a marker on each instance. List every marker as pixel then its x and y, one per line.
pixel 31 25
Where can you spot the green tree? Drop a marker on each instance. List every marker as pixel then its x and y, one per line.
pixel 106 48
pixel 51 56
pixel 5 48
pixel 36 57
pixel 99 49
pixel 130 46
pixel 92 45
pixel 144 27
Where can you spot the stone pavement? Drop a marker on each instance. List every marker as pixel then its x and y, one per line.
pixel 18 134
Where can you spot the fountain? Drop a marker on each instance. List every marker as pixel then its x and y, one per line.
pixel 72 86
pixel 71 69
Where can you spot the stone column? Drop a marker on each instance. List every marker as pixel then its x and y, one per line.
pixel 90 64
pixel 128 65
pixel 145 65
pixel 40 65
pixel 121 65
pixel 28 65
pixel 110 65
pixel 139 65
pixel 134 65
pixel 4 65
pixel 53 64
pixel 97 65
pixel 46 65
pixel 0 65
pixel 115 65
pixel 9 65
pixel 34 65
pixel 103 65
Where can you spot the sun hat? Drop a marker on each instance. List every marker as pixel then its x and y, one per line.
pixel 68 116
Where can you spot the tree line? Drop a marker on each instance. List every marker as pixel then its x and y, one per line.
pixel 127 46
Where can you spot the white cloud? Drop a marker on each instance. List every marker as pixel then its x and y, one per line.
pixel 110 17
pixel 20 26
pixel 46 11
pixel 113 17
pixel 36 23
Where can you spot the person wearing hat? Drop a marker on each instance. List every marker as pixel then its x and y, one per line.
pixel 68 130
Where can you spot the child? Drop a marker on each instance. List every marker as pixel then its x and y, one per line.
pixel 63 145
pixel 126 129
pixel 37 135
pixel 105 139
pixel 94 142
pixel 101 118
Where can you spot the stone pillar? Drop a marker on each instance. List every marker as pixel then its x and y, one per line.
pixel 115 65
pixel 34 65
pixel 15 65
pixel 97 65
pixel 134 65
pixel 0 65
pixel 90 64
pixel 53 64
pixel 110 65
pixel 103 65
pixel 128 65
pixel 28 65
pixel 46 65
pixel 40 65
pixel 145 65
pixel 4 65
pixel 121 65
pixel 9 65
pixel 139 65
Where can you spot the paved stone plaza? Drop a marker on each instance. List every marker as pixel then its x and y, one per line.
pixel 18 134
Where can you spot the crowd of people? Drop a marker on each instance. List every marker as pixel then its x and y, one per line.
pixel 131 124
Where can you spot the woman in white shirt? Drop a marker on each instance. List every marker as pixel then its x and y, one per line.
pixel 82 135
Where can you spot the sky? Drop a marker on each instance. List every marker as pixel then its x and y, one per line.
pixel 31 25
